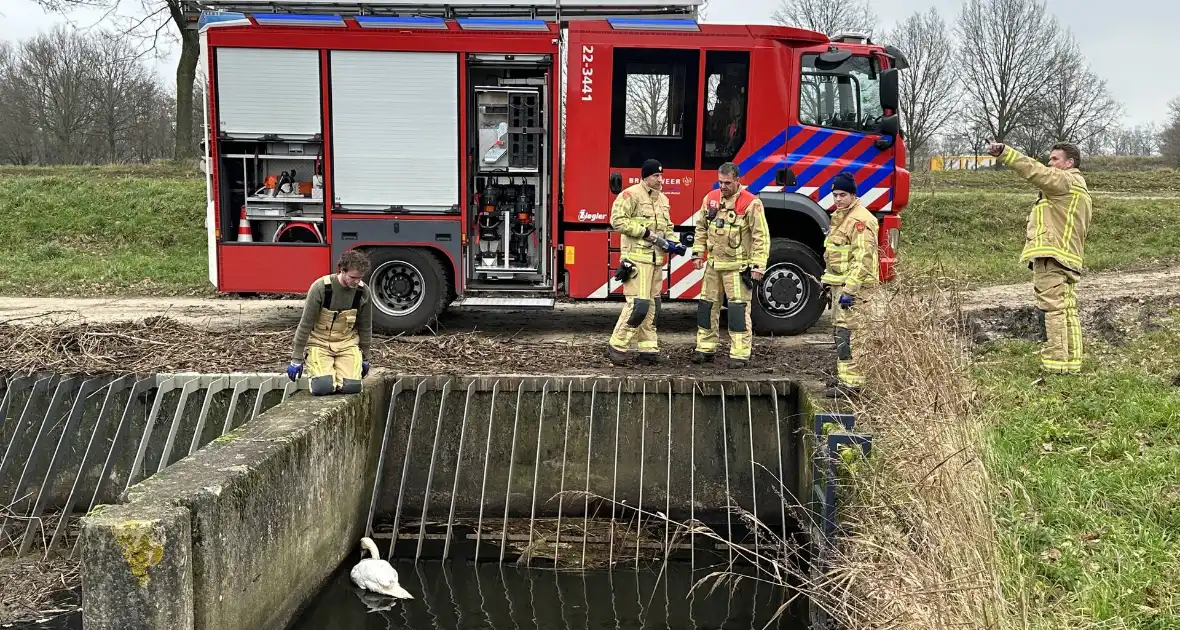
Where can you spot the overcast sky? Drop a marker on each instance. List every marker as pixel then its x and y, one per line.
pixel 1116 42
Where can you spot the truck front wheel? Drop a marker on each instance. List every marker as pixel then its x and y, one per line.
pixel 788 301
pixel 409 289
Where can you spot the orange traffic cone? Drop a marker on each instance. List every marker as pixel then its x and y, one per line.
pixel 244 233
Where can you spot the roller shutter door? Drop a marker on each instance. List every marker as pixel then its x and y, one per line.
pixel 268 90
pixel 395 126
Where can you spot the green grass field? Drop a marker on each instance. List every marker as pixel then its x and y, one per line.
pixel 102 231
pixel 1088 474
pixel 978 235
pixel 139 230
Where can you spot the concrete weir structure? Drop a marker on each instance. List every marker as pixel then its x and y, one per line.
pixel 242 533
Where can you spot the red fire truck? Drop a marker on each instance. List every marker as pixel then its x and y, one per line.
pixel 474 148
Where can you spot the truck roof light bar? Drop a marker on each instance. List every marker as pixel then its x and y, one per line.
pixel 379 21
pixel 646 24
pixel 298 19
pixel 549 10
pixel 502 24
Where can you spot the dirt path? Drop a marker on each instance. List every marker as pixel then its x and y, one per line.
pixel 566 322
pixel 569 338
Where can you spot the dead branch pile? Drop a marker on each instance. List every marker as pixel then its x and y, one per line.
pixel 31 587
pixel 159 344
pixel 920 553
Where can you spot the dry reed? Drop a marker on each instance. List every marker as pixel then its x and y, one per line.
pixel 920 548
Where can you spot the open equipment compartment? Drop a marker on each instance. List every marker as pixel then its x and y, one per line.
pixel 270 145
pixel 509 131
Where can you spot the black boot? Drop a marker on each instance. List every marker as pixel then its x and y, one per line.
pixel 700 358
pixel 616 356
pixel 652 358
pixel 737 364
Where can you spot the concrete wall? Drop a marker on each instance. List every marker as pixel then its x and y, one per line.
pixel 242 533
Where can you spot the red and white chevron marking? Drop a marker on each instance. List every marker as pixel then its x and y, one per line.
pixel 685 283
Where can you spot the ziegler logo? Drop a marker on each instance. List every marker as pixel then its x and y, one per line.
pixel 591 216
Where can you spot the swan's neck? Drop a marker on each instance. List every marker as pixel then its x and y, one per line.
pixel 371 547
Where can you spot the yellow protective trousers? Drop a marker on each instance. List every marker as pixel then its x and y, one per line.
pixel 1056 296
pixel 638 321
pixel 847 332
pixel 715 285
pixel 333 349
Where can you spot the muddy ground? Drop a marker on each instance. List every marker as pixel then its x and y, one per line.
pixel 235 334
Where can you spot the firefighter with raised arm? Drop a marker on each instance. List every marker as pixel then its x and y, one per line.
pixel 732 246
pixel 336 330
pixel 1054 243
pixel 641 216
pixel 850 256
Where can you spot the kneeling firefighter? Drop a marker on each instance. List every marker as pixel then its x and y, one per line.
pixel 336 330
pixel 850 253
pixel 641 216
pixel 732 246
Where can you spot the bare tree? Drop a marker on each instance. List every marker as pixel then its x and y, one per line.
pixel 647 104
pixel 929 90
pixel 1076 103
pixel 124 93
pixel 1170 136
pixel 53 81
pixel 152 25
pixel 1004 66
pixel 827 16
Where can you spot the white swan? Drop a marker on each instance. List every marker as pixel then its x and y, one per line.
pixel 377 575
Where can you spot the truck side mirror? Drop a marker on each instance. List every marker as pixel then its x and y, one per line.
pixel 890 127
pixel 616 183
pixel 889 99
pixel 785 177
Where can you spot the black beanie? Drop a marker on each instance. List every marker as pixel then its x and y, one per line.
pixel 843 181
pixel 651 167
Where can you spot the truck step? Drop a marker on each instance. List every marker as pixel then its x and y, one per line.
pixel 506 302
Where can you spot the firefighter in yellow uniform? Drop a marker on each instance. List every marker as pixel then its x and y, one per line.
pixel 851 259
pixel 732 240
pixel 640 214
pixel 1055 238
pixel 336 330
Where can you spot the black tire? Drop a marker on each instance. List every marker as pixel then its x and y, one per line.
pixel 408 287
pixel 788 301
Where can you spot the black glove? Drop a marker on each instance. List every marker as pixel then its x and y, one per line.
pixel 826 295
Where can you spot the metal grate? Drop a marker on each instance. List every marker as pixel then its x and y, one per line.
pixel 565 451
pixel 68 443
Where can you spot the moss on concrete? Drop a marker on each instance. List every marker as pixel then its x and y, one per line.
pixel 142 543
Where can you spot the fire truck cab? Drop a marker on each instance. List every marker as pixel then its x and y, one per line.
pixel 474 149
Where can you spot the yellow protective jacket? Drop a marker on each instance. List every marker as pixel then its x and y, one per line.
pixel 635 209
pixel 1058 223
pixel 850 250
pixel 733 232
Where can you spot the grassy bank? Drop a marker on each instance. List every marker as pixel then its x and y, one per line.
pixel 1161 181
pixel 101 230
pixel 978 236
pixel 1088 477
pixel 139 229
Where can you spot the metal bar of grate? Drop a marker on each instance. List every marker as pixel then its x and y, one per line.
pixel 511 463
pixel 458 462
pixel 34 516
pixel 389 416
pixel 484 485
pixel 565 442
pixel 442 406
pixel 537 470
pixel 397 515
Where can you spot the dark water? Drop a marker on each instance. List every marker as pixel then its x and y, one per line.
pixel 462 596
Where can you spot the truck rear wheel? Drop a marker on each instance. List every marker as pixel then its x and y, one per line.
pixel 788 301
pixel 409 289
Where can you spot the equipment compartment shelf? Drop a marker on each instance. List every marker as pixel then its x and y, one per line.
pixel 270 156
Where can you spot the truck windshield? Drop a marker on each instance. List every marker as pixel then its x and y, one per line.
pixel 846 96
